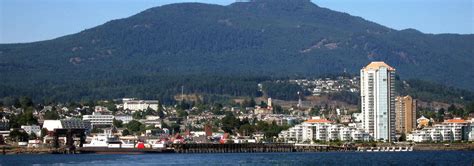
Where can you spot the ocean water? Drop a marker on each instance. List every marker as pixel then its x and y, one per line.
pixel 455 158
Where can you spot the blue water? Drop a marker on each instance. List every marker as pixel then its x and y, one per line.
pixel 456 158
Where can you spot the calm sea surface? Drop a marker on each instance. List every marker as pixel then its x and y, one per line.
pixel 455 158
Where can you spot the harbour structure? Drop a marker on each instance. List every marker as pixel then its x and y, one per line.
pixel 377 93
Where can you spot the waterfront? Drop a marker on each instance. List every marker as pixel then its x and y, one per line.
pixel 458 158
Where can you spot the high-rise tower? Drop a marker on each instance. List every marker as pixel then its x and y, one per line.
pixel 405 108
pixel 377 92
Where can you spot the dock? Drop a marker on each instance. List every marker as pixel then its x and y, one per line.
pixel 97 150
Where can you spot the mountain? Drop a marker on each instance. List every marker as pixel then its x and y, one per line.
pixel 272 38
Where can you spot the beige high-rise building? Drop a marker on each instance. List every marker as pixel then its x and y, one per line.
pixel 405 110
pixel 377 93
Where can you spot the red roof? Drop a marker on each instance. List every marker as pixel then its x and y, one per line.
pixel 455 121
pixel 318 121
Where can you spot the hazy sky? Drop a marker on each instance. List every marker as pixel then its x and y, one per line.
pixel 35 20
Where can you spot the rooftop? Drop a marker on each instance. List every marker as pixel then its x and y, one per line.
pixel 318 121
pixel 377 65
pixel 457 120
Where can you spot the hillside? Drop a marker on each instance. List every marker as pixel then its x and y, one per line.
pixel 153 51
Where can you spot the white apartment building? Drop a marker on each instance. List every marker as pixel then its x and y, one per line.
pixel 138 105
pixel 378 100
pixel 124 118
pixel 97 119
pixel 450 130
pixel 32 129
pixel 323 130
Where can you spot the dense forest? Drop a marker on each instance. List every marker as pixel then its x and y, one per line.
pixel 225 50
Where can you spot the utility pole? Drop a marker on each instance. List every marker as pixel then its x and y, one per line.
pixel 182 92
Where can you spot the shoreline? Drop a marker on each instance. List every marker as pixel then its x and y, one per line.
pixel 228 148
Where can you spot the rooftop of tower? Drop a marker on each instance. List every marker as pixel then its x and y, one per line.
pixel 378 65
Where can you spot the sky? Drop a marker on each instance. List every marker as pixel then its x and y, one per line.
pixel 36 20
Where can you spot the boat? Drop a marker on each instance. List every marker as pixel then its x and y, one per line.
pixel 104 140
pixel 158 144
pixel 405 149
pixel 123 144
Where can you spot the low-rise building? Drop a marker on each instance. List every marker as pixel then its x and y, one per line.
pixel 124 118
pixel 32 129
pixel 4 124
pixel 50 125
pixel 322 130
pixel 97 119
pixel 138 105
pixel 450 130
pixel 101 109
pixel 422 122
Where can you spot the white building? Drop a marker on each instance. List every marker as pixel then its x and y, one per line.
pixel 124 118
pixel 450 130
pixel 322 130
pixel 97 119
pixel 50 125
pixel 378 100
pixel 4 124
pixel 101 109
pixel 32 129
pixel 138 105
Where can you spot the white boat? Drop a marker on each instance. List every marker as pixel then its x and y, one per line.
pixel 377 149
pixel 122 144
pixel 158 144
pixel 103 141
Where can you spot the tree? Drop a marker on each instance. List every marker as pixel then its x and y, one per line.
pixel 44 132
pixel 160 113
pixel 182 113
pixel 18 136
pixel 138 115
pixel 125 132
pixel 175 128
pixel 25 118
pixel 246 129
pixel 134 126
pixel 277 109
pixel 11 101
pixel 97 130
pixel 32 136
pixel 470 107
pixel 263 104
pixel 440 115
pixel 51 115
pixel 26 102
pixel 229 123
pixel 117 123
pixel 315 111
pixel 403 137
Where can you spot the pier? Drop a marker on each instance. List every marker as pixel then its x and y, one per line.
pixel 254 148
